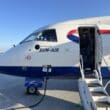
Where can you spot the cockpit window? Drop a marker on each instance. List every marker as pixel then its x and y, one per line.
pixel 46 35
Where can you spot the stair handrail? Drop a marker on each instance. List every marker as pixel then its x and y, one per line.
pixel 81 67
pixel 97 75
pixel 107 85
pixel 100 75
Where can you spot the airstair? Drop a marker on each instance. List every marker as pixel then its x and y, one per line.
pixel 92 91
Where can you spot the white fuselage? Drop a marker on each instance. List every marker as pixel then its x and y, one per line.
pixel 62 54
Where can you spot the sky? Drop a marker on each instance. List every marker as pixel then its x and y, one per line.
pixel 18 18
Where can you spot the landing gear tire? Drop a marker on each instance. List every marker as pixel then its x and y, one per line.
pixel 32 90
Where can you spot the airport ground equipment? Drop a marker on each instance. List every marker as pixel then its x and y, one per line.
pixel 32 85
pixel 92 91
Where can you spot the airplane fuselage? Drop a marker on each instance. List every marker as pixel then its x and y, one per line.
pixel 56 45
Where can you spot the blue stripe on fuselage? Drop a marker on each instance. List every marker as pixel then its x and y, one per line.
pixel 37 71
pixel 73 38
pixel 56 71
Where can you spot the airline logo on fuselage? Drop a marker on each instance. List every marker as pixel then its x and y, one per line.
pixel 73 34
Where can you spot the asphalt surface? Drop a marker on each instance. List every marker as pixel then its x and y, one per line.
pixel 60 95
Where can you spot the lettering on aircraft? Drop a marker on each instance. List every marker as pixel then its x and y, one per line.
pixel 49 50
pixel 28 57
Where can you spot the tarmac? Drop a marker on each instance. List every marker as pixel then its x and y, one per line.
pixel 62 94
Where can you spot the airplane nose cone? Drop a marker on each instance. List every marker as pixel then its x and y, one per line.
pixel 1 62
pixel 6 61
pixel 7 64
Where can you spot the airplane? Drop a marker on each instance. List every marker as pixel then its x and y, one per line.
pixel 56 48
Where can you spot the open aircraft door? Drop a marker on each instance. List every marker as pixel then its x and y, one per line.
pixel 90 48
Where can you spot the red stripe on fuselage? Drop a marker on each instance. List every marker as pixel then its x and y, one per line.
pixel 104 31
pixel 72 32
